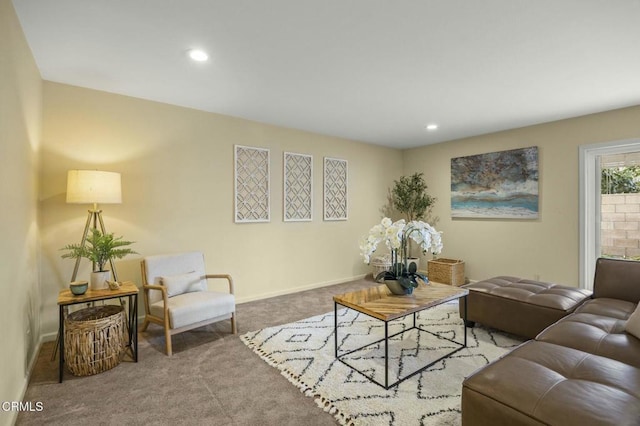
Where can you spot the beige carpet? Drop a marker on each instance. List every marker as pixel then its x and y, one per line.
pixel 212 378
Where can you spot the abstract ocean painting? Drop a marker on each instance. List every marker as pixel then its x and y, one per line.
pixel 496 185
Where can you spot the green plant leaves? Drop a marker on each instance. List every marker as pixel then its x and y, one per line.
pixel 409 196
pixel 99 248
pixel 406 278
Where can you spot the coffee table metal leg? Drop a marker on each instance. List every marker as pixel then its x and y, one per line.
pixel 465 321
pixel 386 355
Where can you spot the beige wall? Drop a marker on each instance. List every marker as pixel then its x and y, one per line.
pixel 20 120
pixel 177 173
pixel 546 248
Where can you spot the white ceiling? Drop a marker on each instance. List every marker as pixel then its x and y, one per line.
pixel 370 70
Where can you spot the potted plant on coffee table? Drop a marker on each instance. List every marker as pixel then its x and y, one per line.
pixel 402 277
pixel 99 248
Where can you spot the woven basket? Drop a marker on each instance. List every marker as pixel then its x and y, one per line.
pixel 94 339
pixel 446 271
pixel 380 264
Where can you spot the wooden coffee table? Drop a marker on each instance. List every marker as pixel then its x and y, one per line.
pixel 379 303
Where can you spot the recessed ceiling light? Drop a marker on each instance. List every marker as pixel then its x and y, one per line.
pixel 198 55
pixel 431 126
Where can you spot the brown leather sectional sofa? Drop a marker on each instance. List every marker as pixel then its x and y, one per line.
pixel 583 370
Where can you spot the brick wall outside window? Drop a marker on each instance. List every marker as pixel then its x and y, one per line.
pixel 620 226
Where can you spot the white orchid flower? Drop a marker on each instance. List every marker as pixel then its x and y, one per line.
pixel 396 236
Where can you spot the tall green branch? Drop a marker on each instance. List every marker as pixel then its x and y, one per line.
pixel 410 197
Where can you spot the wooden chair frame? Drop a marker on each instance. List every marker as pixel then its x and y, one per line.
pixel 164 322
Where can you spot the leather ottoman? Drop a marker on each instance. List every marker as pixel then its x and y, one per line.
pixel 519 306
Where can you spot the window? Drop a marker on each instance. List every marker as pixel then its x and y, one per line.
pixel 593 160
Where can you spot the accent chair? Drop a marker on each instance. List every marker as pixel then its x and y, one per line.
pixel 176 294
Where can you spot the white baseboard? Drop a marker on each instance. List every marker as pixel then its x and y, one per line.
pixel 49 337
pixel 298 289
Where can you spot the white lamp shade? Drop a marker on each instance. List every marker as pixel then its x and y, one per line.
pixel 93 186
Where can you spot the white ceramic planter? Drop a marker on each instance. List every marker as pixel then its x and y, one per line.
pixel 99 280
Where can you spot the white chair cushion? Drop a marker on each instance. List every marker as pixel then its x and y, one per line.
pixel 183 283
pixel 166 265
pixel 633 323
pixel 189 308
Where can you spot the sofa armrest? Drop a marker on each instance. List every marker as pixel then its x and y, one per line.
pixel 617 279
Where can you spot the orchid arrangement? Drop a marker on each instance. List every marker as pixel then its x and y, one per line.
pixel 396 237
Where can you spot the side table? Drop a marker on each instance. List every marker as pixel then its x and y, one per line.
pixel 127 289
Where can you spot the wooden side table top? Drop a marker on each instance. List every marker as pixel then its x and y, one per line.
pixel 380 303
pixel 128 288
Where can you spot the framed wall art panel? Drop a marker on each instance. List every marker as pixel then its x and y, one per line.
pixel 298 187
pixel 335 189
pixel 252 184
pixel 496 185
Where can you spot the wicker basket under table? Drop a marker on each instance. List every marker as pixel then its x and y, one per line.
pixel 94 339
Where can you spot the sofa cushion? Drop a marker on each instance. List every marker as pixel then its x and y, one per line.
pixel 544 383
pixel 597 334
pixel 613 308
pixel 617 279
pixel 633 323
pixel 191 308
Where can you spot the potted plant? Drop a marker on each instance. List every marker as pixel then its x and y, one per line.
pixel 401 278
pixel 99 248
pixel 409 196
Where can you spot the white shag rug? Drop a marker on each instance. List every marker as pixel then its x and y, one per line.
pixel 304 353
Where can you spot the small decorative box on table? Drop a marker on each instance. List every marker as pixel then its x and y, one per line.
pixel 446 271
